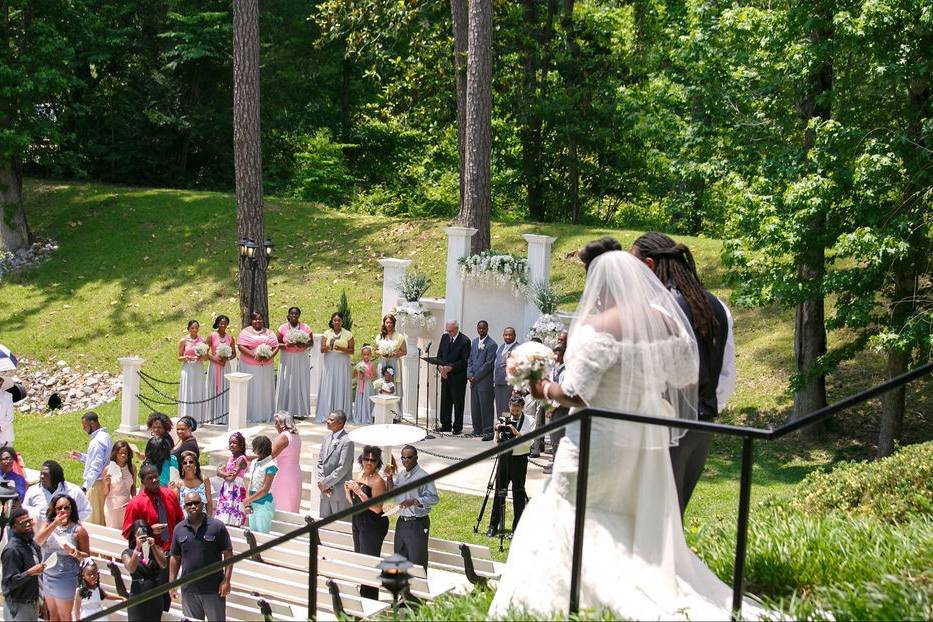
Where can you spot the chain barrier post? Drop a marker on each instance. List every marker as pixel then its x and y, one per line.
pixel 312 569
pixel 583 468
pixel 239 392
pixel 129 404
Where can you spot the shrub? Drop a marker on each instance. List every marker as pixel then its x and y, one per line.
pixel 894 489
pixel 321 172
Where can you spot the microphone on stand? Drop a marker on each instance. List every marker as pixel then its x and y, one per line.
pixel 427 349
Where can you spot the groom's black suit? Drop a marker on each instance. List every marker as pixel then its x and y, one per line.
pixel 454 353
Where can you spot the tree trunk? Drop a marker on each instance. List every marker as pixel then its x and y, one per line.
pixel 460 15
pixel 892 402
pixel 247 154
pixel 809 326
pixel 477 203
pixel 571 78
pixel 14 231
pixel 531 123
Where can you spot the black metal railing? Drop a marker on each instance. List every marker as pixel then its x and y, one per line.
pixel 584 418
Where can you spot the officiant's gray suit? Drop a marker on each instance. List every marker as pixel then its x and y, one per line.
pixel 482 397
pixel 334 467
pixel 502 388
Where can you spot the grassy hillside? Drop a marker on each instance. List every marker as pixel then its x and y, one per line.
pixel 135 264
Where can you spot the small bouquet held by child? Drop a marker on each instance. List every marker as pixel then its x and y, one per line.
pixel 529 363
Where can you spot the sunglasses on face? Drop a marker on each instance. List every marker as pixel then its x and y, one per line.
pixel 192 504
pixel 62 508
pixel 187 462
pixel 372 460
pixel 25 522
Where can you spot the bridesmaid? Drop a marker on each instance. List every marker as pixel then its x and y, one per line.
pixel 191 387
pixel 391 346
pixel 217 382
pixel 286 451
pixel 293 393
pixel 336 346
pixel 119 484
pixel 365 372
pixel 261 393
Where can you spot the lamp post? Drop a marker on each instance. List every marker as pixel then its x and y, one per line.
pixel 395 577
pixel 249 251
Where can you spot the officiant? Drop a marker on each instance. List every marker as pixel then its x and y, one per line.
pixel 454 352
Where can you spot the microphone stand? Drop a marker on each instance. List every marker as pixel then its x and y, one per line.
pixel 427 393
pixel 418 388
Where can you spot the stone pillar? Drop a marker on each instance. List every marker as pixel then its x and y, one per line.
pixel 239 390
pixel 383 405
pixel 539 271
pixel 129 398
pixel 393 271
pixel 316 362
pixel 458 245
pixel 410 376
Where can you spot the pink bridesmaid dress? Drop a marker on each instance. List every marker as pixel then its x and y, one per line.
pixel 286 486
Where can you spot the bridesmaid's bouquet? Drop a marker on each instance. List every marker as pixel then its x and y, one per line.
pixel 529 363
pixel 224 351
pixel 297 337
pixel 360 367
pixel 264 352
pixel 386 347
pixel 201 349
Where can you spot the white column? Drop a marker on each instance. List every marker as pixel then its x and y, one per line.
pixel 458 245
pixel 239 391
pixel 383 405
pixel 316 362
pixel 410 376
pixel 129 402
pixel 393 271
pixel 539 270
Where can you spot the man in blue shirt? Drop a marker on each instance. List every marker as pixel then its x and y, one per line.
pixel 413 527
pixel 95 461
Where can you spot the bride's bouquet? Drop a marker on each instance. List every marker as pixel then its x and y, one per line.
pixel 386 347
pixel 297 337
pixel 264 352
pixel 224 351
pixel 201 349
pixel 529 363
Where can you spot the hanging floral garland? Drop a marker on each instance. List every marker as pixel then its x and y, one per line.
pixel 492 267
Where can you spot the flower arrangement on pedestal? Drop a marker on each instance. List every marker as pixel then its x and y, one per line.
pixel 547 327
pixel 496 268
pixel 411 315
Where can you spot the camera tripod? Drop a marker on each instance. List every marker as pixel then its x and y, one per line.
pixel 491 486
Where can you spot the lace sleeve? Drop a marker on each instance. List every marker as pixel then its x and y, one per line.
pixel 682 370
pixel 588 357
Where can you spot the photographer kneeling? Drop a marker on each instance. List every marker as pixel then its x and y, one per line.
pixel 513 466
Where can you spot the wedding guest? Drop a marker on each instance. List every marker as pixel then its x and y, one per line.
pixel 218 369
pixel 258 346
pixel 369 527
pixel 22 567
pixel 158 507
pixel 159 426
pixel 386 384
pixel 158 454
pixel 90 596
pixel 501 386
pixel 119 484
pixel 454 351
pixel 674 266
pixel 192 481
pixel 335 464
pixel 413 527
pixel 480 366
pixel 337 347
pixel 259 503
pixel 232 491
pixel 184 429
pixel 391 346
pixel 192 352
pixel 365 372
pixel 200 541
pixel 8 473
pixel 293 393
pixel 286 451
pixel 52 482
pixel 95 461
pixel 63 536
pixel 146 563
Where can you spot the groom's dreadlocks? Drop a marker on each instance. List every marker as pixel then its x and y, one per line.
pixel 674 266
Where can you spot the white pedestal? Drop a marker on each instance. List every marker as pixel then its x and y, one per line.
pixel 393 271
pixel 129 397
pixel 383 407
pixel 458 245
pixel 239 390
pixel 316 362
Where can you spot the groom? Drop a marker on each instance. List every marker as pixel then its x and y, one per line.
pixel 673 264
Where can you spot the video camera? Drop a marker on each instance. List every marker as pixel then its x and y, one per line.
pixel 505 432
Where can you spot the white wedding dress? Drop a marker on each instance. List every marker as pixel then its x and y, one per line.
pixel 636 562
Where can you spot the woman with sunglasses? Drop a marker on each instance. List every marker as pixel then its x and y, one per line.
pixel 369 527
pixel 66 542
pixel 191 481
pixel 144 560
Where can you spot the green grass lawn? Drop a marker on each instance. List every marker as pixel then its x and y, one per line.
pixel 134 264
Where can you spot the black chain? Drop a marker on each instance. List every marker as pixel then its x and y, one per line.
pixel 154 379
pixel 175 401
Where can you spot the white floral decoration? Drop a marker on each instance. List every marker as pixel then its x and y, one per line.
pixel 413 316
pixel 547 328
pixel 264 351
pixel 496 268
pixel 296 336
pixel 224 351
pixel 201 349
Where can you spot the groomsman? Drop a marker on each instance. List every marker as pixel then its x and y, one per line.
pixel 503 389
pixel 479 374
pixel 334 465
pixel 454 352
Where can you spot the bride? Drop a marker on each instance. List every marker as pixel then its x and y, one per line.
pixel 630 348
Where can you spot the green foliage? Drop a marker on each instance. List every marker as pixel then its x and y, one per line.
pixel 894 489
pixel 320 170
pixel 413 285
pixel 343 307
pixel 544 296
